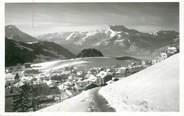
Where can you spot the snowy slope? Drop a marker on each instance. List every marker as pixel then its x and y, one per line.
pixel 80 103
pixel 87 101
pixel 55 65
pixel 81 63
pixel 153 89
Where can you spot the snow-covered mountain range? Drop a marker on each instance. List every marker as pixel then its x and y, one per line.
pixel 92 38
pixel 111 40
pixel 114 40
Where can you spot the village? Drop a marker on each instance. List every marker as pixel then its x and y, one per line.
pixel 58 85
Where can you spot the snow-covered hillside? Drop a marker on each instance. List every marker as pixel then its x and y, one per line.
pixel 153 89
pixel 79 103
pixel 81 63
pixel 87 101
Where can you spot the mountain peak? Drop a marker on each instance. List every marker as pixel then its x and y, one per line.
pixel 12 27
pixel 12 32
pixel 118 27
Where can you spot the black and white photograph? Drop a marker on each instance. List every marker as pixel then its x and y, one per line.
pixel 92 57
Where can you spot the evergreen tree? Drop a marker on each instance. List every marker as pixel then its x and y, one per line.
pixel 91 52
pixel 23 101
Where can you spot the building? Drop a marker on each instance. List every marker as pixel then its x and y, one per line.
pixel 122 71
pixel 27 65
pixel 171 51
pixel 163 55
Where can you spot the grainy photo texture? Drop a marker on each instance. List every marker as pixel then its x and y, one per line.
pixel 92 57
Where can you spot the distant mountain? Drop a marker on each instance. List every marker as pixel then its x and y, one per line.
pixel 20 52
pixel 90 53
pixel 16 55
pixel 21 47
pixel 114 40
pixel 12 32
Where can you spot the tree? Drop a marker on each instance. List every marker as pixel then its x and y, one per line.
pixel 23 100
pixel 90 52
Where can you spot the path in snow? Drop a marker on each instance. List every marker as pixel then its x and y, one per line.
pixel 100 103
pixel 87 101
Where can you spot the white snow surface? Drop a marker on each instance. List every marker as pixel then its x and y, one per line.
pixel 79 103
pixel 69 37
pixel 54 65
pixel 83 63
pixel 153 89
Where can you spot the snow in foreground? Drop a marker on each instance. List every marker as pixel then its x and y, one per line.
pixel 87 101
pixel 153 89
pixel 79 103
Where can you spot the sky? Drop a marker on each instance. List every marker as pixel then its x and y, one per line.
pixel 40 18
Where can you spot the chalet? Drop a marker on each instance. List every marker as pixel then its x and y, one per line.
pixel 121 71
pixel 103 77
pixel 171 51
pixel 163 55
pixel 27 65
